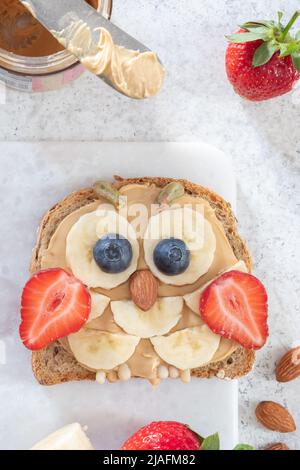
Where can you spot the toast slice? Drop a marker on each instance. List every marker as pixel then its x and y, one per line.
pixel 54 365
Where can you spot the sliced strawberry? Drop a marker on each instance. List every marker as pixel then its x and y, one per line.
pixel 236 306
pixel 54 304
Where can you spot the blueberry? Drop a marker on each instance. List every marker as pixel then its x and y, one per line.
pixel 113 253
pixel 171 256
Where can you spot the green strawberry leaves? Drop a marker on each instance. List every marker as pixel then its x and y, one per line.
pixel 258 24
pixel 247 37
pixel 264 53
pixel 211 442
pixel 296 60
pixel 243 447
pixel 275 36
pixel 289 48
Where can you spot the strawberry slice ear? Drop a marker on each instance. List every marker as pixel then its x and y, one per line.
pixel 54 304
pixel 276 37
pixel 235 307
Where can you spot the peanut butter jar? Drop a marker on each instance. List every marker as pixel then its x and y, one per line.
pixel 31 59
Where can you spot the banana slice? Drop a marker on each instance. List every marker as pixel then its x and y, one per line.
pixel 159 320
pixel 226 348
pixel 189 226
pixel 82 238
pixel 71 437
pixel 193 300
pixel 187 349
pixel 101 350
pixel 99 303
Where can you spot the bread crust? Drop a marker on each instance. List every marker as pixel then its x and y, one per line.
pixel 53 364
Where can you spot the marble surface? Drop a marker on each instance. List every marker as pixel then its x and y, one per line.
pixel 198 104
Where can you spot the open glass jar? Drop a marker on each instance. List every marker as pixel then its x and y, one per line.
pixel 43 73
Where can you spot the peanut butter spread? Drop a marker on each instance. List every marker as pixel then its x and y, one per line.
pixel 138 75
pixel 22 34
pixel 145 361
pixel 135 74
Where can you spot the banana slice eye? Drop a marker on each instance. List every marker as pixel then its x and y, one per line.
pixel 179 245
pixel 102 249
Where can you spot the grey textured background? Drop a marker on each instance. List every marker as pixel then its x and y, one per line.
pixel 198 104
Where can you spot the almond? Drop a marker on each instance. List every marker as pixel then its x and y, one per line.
pixel 277 446
pixel 143 287
pixel 275 417
pixel 288 368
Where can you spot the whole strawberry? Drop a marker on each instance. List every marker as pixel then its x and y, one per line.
pixel 263 59
pixel 163 435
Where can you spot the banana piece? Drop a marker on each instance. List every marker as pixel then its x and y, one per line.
pixel 71 437
pixel 100 350
pixel 82 238
pixel 99 303
pixel 187 349
pixel 226 348
pixel 159 320
pixel 193 300
pixel 190 226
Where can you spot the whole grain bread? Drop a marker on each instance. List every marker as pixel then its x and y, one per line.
pixel 54 364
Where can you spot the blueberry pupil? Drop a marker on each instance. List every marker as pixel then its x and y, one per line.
pixel 171 256
pixel 113 253
pixel 175 255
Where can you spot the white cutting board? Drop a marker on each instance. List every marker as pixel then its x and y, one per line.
pixel 33 178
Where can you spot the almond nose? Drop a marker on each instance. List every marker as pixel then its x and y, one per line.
pixel 143 287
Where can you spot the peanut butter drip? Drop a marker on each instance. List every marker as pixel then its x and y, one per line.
pixel 22 34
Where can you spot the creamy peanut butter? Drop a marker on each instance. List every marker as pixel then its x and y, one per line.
pixel 22 34
pixel 136 74
pixel 145 361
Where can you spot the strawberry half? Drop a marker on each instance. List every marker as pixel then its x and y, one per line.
pixel 163 435
pixel 54 304
pixel 236 306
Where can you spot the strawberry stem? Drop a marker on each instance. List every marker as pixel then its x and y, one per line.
pixel 289 25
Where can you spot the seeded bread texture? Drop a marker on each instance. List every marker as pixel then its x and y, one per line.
pixel 54 364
